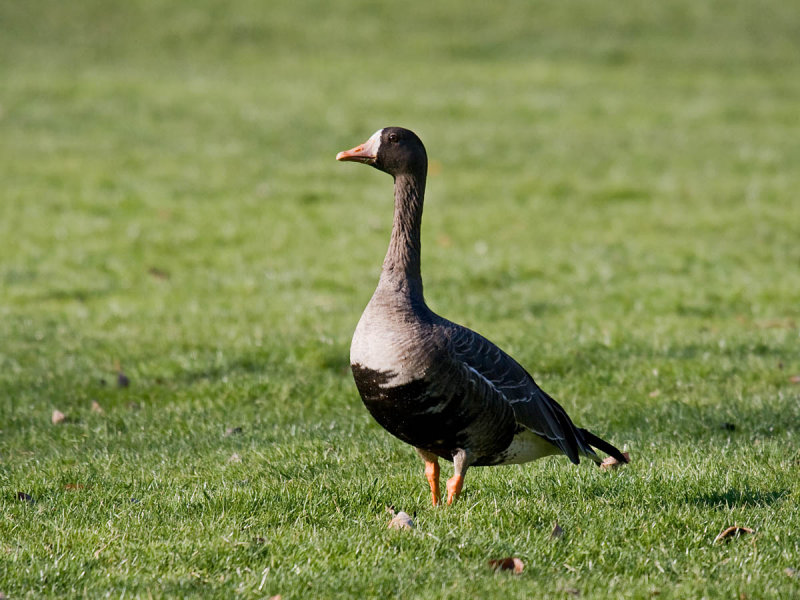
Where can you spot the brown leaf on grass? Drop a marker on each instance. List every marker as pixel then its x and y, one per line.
pixel 275 597
pixel 96 408
pixel 731 532
pixel 70 487
pixel 557 532
pixel 776 324
pixel 612 463
pixel 158 273
pixel 24 497
pixel 402 520
pixel 58 417
pixel 655 393
pixel 99 551
pixel 509 563
pixel 795 378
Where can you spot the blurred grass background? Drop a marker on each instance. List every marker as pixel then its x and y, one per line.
pixel 612 199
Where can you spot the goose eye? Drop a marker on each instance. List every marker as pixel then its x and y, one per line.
pixel 392 137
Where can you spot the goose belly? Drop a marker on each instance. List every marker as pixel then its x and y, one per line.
pixel 525 447
pixel 416 414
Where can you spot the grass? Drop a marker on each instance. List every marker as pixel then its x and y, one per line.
pixel 612 199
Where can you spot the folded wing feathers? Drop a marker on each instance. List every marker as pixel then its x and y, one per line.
pixel 533 408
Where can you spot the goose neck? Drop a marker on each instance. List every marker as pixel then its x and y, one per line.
pixel 401 267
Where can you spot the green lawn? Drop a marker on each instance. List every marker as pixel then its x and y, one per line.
pixel 613 199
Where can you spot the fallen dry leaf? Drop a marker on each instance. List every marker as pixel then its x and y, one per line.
pixel 612 463
pixel 158 273
pixel 776 324
pixel 795 378
pixel 58 417
pixel 96 408
pixel 509 563
pixel 655 393
pixel 401 520
pixel 74 486
pixel 275 597
pixel 733 531
pixel 557 532
pixel 97 552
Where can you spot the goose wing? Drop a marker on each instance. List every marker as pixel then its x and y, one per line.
pixel 533 408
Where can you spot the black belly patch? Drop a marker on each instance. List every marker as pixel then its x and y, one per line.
pixel 417 416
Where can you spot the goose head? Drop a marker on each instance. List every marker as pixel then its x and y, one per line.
pixel 393 150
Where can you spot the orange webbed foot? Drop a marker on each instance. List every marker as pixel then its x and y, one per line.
pixel 454 485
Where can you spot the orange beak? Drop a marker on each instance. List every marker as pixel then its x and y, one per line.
pixel 358 154
pixel 366 153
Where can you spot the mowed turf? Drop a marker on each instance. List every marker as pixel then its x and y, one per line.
pixel 612 199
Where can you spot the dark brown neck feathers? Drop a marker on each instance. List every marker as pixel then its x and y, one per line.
pixel 401 267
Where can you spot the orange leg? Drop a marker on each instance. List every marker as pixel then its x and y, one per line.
pixel 456 482
pixel 431 473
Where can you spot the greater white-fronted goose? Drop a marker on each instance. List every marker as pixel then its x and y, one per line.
pixel 436 385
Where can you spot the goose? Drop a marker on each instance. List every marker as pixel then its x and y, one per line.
pixel 434 384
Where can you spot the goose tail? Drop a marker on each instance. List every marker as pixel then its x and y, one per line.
pixel 603 445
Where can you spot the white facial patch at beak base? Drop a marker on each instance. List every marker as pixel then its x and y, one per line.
pixel 365 153
pixel 373 144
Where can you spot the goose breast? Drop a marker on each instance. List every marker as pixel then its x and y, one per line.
pixel 415 388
